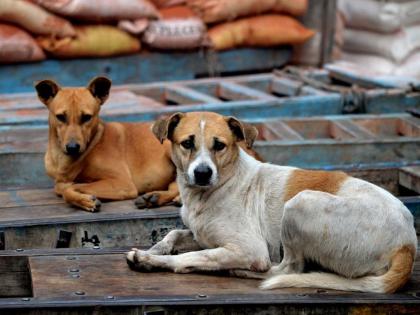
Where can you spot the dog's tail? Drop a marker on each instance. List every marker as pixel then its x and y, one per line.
pixel 396 276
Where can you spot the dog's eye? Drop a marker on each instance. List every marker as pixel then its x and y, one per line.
pixel 188 144
pixel 61 117
pixel 85 118
pixel 218 146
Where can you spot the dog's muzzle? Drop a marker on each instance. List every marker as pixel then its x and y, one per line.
pixel 202 175
pixel 72 148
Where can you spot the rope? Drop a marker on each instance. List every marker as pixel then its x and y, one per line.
pixel 353 99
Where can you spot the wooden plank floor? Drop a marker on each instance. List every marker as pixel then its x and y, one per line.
pixel 42 205
pixel 109 275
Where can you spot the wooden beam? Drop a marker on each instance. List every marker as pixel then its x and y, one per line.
pixel 409 177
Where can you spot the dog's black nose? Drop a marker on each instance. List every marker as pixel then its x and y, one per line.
pixel 73 148
pixel 202 175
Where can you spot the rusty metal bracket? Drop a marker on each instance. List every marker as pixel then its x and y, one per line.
pixel 94 240
pixel 2 241
pixel 63 239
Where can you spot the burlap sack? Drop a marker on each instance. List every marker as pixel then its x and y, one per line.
pixel 175 34
pixel 224 10
pixel 136 27
pixel 34 19
pixel 18 46
pixel 92 41
pixel 179 28
pixel 259 31
pixel 167 3
pixel 102 10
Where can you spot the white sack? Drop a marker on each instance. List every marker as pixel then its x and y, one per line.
pixel 380 16
pixel 395 46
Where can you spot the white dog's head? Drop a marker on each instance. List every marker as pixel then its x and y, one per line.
pixel 204 144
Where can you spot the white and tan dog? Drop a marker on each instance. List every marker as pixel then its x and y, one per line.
pixel 240 211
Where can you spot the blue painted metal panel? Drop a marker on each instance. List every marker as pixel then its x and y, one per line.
pixel 142 68
pixel 255 97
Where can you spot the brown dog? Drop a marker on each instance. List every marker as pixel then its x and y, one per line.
pixel 90 159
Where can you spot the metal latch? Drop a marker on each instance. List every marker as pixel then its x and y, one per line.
pixel 64 239
pixel 94 240
pixel 2 241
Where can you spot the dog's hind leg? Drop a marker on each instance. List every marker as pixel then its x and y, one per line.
pixel 158 198
pixel 248 274
pixel 176 241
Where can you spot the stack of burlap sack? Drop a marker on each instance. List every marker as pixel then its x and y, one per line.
pixel 382 37
pixel 31 30
pixel 230 23
pixel 256 23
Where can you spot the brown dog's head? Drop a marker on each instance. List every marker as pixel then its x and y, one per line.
pixel 74 111
pixel 204 144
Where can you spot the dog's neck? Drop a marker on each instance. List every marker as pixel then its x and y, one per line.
pixel 62 166
pixel 236 174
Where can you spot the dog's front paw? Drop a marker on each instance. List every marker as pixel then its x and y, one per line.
pixel 140 260
pixel 90 203
pixel 177 201
pixel 149 200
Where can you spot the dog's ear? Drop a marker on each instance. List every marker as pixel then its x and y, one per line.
pixel 164 128
pixel 99 87
pixel 242 131
pixel 46 90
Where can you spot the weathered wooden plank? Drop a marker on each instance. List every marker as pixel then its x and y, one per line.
pixel 74 281
pixel 15 277
pixel 354 129
pixel 277 86
pixel 34 219
pixel 319 129
pixel 316 142
pixel 385 127
pixel 28 198
pixel 233 91
pixel 278 130
pixel 28 206
pixel 52 278
pixel 129 231
pixel 23 170
pixel 327 153
pixel 290 87
pixel 409 177
pixel 185 95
